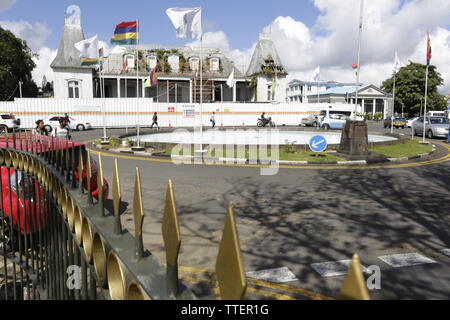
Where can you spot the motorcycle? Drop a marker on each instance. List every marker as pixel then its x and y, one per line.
pixel 265 122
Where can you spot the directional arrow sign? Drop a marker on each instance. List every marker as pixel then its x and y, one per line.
pixel 318 144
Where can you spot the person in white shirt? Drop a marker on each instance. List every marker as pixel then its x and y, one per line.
pixel 62 131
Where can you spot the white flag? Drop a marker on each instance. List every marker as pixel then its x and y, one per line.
pixel 230 81
pixel 187 22
pixel 397 63
pixel 88 48
pixel 315 77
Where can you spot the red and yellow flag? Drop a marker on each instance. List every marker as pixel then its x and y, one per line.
pixel 428 50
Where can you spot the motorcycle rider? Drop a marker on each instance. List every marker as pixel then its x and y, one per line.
pixel 264 119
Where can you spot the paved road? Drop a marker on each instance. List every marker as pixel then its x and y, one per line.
pixel 301 217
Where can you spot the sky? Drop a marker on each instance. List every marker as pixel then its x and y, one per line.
pixel 306 33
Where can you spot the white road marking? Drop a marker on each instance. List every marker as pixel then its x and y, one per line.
pixel 446 252
pixel 333 268
pixel 278 275
pixel 406 260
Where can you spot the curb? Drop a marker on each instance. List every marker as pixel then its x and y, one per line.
pixel 419 156
pixel 286 162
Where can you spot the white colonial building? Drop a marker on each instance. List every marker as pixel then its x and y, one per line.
pixel 177 72
pixel 371 99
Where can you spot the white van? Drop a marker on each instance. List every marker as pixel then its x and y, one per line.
pixel 436 113
pixel 350 114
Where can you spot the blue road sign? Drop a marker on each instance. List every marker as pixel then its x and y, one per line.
pixel 318 144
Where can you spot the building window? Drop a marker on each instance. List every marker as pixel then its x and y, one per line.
pixel 269 93
pixel 194 64
pixel 309 88
pixel 130 61
pixel 74 89
pixel 174 62
pixel 152 62
pixel 214 64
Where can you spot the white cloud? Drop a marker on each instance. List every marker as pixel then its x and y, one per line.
pixel 332 43
pixel 35 35
pixel 389 26
pixel 46 56
pixel 6 4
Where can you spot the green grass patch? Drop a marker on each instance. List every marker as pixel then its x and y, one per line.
pixel 285 153
pixel 114 143
pixel 408 149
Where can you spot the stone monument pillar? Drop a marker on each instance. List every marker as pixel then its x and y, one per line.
pixel 354 139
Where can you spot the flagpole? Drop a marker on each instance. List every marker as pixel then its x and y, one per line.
pixel 359 54
pixel 393 107
pixel 137 88
pixel 425 104
pixel 102 90
pixel 318 85
pixel 201 87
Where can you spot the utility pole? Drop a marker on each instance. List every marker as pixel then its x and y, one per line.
pixel 20 88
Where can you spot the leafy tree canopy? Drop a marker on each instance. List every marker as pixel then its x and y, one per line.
pixel 16 65
pixel 410 88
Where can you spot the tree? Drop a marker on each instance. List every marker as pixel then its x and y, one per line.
pixel 410 88
pixel 16 65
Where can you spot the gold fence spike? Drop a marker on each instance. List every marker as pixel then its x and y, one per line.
pixel 354 286
pixel 229 266
pixel 138 212
pixel 100 185
pixel 117 198
pixel 172 240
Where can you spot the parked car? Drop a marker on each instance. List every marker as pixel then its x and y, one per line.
pixel 333 121
pixel 23 202
pixel 311 120
pixel 397 123
pixel 410 122
pixel 9 122
pixel 434 127
pixel 53 122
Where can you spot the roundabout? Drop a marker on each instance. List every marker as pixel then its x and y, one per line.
pixel 304 215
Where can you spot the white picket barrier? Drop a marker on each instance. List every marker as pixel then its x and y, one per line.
pixel 128 112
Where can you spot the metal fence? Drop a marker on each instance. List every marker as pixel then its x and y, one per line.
pixel 58 241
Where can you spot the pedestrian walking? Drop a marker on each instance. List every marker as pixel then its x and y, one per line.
pixel 155 121
pixel 40 129
pixel 448 136
pixel 213 120
pixel 66 118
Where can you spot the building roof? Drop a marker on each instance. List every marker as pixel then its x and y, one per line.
pixel 321 83
pixel 264 50
pixel 68 55
pixel 113 64
pixel 348 90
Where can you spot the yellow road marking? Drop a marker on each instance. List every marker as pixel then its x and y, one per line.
pixel 309 167
pixel 266 284
pixel 278 296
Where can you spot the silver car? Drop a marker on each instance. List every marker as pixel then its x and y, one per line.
pixel 310 120
pixel 434 127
